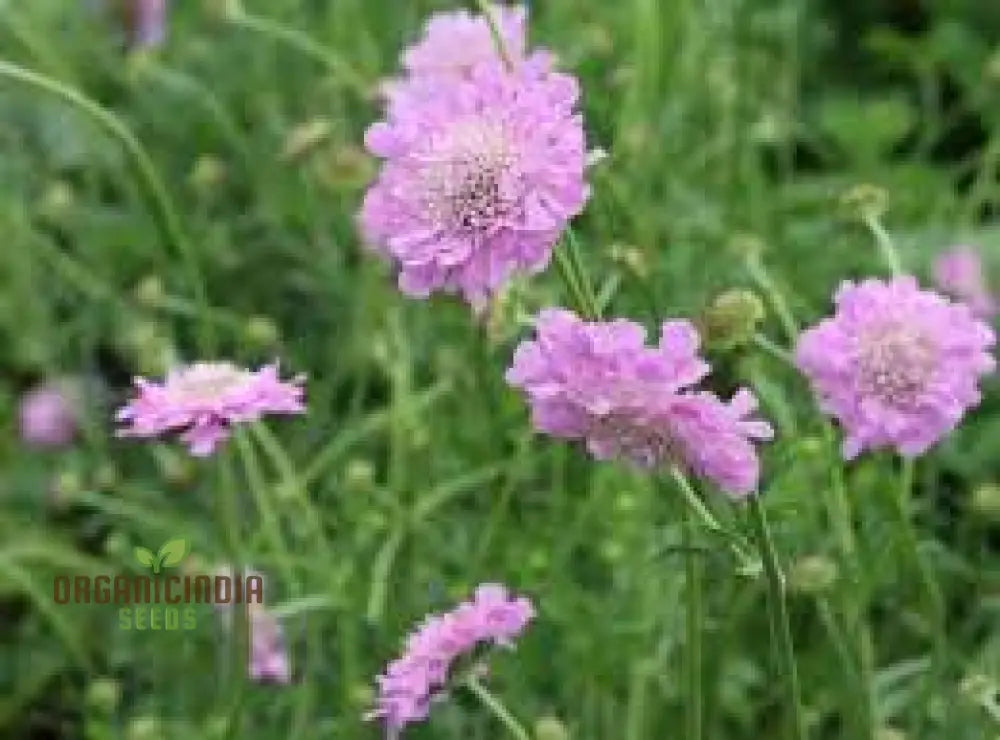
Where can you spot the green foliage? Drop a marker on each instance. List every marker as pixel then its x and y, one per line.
pixel 733 128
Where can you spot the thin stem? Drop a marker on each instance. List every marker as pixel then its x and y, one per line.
pixel 762 276
pixel 885 244
pixel 933 596
pixel 163 210
pixel 780 626
pixel 748 566
pixel 693 566
pixel 776 351
pixel 576 259
pixel 498 41
pixel 239 640
pixel 570 278
pixel 302 43
pixel 839 511
pixel 497 708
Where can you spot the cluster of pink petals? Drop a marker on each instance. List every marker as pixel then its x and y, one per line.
pixel 455 42
pixel 47 415
pixel 896 365
pixel 482 171
pixel 598 381
pixel 410 683
pixel 959 273
pixel 202 401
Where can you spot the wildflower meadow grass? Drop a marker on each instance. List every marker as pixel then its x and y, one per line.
pixel 560 370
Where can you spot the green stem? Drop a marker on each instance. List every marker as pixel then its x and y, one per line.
pixel 762 276
pixel 780 626
pixel 695 702
pixel 305 45
pixel 497 708
pixel 159 202
pixel 885 244
pixel 933 596
pixel 748 565
pixel 239 643
pixel 839 511
pixel 498 41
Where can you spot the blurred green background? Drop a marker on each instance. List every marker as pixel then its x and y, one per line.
pixel 415 474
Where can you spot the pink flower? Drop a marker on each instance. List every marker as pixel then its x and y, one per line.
pixel 455 42
pixel 410 683
pixel 481 175
pixel 599 382
pixel 269 660
pixel 203 400
pixel 896 365
pixel 48 416
pixel 147 22
pixel 268 654
pixel 959 273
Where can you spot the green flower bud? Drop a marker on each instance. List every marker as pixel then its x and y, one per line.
pixel 207 174
pixel 150 291
pixel 145 728
pixel 305 137
pixel 812 574
pixel 117 545
pixel 550 728
pixel 57 200
pixel 103 695
pixel 889 733
pixel 262 331
pixel 732 319
pixel 631 258
pixel 359 476
pixel 986 501
pixel 106 477
pixel 865 201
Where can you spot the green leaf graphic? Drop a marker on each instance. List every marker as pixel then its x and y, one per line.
pixel 172 552
pixel 144 556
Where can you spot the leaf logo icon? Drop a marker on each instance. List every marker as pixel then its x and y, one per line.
pixel 171 554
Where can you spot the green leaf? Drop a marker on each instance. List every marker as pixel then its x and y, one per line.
pixel 144 556
pixel 173 552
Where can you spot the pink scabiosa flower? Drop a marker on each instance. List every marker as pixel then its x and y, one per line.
pixel 959 273
pixel 896 365
pixel 599 382
pixel 202 401
pixel 47 415
pixel 480 176
pixel 410 683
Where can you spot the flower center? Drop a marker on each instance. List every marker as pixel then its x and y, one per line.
pixel 646 442
pixel 468 178
pixel 206 381
pixel 896 362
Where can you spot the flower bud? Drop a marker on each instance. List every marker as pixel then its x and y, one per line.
pixel 150 291
pixel 812 575
pixel 359 476
pixel 56 201
pixel 631 258
pixel 865 201
pixel 732 319
pixel 550 728
pixel 103 695
pixel 986 501
pixel 145 728
pixel 889 733
pixel 262 331
pixel 305 137
pixel 207 174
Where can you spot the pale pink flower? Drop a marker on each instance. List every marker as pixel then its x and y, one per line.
pixel 412 682
pixel 202 401
pixel 896 365
pixel 960 274
pixel 47 415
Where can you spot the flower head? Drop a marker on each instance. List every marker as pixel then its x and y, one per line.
pixel 959 273
pixel 47 415
pixel 600 382
pixel 203 400
pixel 480 176
pixel 410 683
pixel 896 365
